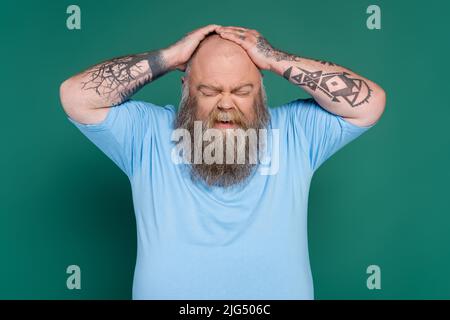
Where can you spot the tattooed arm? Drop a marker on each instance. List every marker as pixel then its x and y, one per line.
pixel 337 89
pixel 87 96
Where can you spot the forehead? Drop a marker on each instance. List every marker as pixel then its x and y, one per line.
pixel 223 64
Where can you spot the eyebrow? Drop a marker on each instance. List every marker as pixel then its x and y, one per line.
pixel 206 86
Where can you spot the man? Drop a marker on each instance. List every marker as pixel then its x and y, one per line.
pixel 221 230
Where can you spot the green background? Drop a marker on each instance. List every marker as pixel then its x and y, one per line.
pixel 383 199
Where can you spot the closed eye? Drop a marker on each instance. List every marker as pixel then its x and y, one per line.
pixel 242 93
pixel 208 93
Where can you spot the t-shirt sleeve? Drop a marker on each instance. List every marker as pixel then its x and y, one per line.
pixel 120 135
pixel 325 133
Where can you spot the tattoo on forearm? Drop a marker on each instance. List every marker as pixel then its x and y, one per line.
pixel 265 48
pixel 336 85
pixel 119 78
pixel 157 65
pixel 325 63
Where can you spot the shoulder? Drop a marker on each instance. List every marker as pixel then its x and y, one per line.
pixel 143 113
pixel 290 111
pixel 294 106
pixel 143 108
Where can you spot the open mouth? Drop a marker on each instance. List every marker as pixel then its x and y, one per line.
pixel 224 124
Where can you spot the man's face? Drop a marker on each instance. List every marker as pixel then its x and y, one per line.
pixel 223 90
pixel 225 83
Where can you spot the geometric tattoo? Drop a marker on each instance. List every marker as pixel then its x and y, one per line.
pixel 119 78
pixel 336 85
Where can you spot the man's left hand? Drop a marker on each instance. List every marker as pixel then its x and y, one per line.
pixel 259 50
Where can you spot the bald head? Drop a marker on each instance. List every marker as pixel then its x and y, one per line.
pixel 223 90
pixel 217 58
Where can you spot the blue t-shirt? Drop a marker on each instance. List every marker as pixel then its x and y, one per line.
pixel 200 242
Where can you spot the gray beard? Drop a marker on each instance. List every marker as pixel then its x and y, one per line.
pixel 222 174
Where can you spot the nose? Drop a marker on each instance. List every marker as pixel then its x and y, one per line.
pixel 225 103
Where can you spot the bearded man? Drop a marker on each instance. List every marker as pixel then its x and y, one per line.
pixel 210 226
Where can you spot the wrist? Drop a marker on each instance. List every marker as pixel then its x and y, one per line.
pixel 170 57
pixel 279 61
pixel 279 67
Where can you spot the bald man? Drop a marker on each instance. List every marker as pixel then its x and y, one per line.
pixel 218 216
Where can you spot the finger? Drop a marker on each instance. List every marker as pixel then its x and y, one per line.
pixel 201 33
pixel 182 67
pixel 233 36
pixel 238 29
pixel 207 29
pixel 212 27
pixel 232 29
pixel 240 32
pixel 241 35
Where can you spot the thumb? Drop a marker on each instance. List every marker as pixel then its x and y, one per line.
pixel 182 67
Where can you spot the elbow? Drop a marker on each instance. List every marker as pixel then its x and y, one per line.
pixel 379 105
pixel 376 108
pixel 65 94
pixel 77 105
pixel 71 100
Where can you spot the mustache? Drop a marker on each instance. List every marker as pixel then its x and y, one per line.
pixel 224 175
pixel 233 116
pixel 188 107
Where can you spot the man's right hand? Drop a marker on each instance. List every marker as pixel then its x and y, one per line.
pixel 180 52
pixel 86 97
